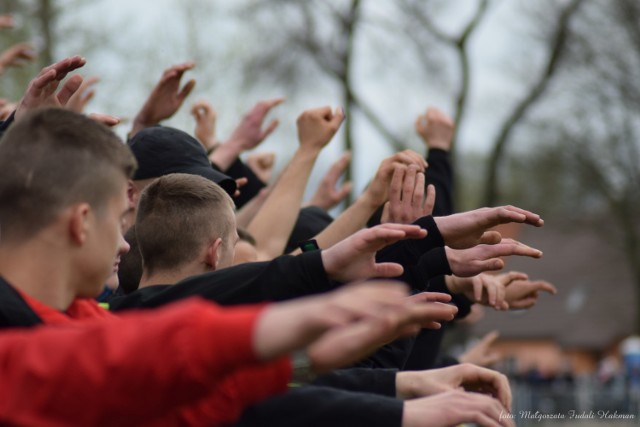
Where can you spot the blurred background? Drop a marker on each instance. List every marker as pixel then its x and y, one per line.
pixel 545 94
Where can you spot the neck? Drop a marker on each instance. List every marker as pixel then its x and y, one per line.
pixel 37 268
pixel 170 277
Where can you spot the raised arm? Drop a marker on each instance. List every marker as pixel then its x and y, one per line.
pixel 41 91
pixel 247 135
pixel 165 98
pixel 83 95
pixel 205 131
pixel 355 216
pixel 17 56
pixel 275 220
pixel 328 195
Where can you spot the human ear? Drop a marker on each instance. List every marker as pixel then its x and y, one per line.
pixel 213 253
pixel 79 223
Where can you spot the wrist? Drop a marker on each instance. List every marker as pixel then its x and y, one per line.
pixel 369 200
pixel 225 154
pixel 438 145
pixel 307 153
pixel 405 385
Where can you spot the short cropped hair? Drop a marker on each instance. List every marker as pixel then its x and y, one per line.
pixel 178 214
pixel 51 159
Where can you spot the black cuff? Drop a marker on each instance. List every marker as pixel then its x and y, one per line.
pixel 435 262
pixel 5 124
pixel 248 191
pixel 378 381
pixel 433 240
pixel 464 305
pixel 314 267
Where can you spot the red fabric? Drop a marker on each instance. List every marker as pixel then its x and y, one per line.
pixel 80 309
pixel 191 364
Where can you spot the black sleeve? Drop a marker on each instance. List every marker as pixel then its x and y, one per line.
pixel 392 355
pixel 248 191
pixel 440 174
pixel 5 124
pixel 430 265
pixel 283 278
pixel 426 348
pixel 377 381
pixel 313 406
pixel 409 251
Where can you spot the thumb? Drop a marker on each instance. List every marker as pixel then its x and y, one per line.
pixel 387 269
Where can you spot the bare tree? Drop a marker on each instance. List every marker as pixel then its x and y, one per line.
pixel 557 44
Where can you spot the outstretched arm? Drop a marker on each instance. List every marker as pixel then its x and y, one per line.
pixel 272 225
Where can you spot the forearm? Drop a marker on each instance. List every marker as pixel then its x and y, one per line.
pixel 247 213
pixel 312 406
pixel 288 326
pixel 122 354
pixel 351 220
pixel 377 381
pixel 440 174
pixel 225 154
pixel 273 223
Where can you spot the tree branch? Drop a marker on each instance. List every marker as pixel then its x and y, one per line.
pixel 558 44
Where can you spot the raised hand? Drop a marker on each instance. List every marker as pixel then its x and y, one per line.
pixel 480 353
pixel 6 21
pixel 328 195
pixel 436 308
pixel 354 257
pixel 317 126
pixel 378 191
pixel 249 133
pixel 486 289
pixel 383 324
pixel 17 56
pixel 523 294
pixel 465 230
pixel 165 98
pixel 205 116
pixel 262 165
pixel 41 91
pixel 436 129
pixel 461 407
pixel 414 384
pixel 83 95
pixel 475 260
pixel 407 200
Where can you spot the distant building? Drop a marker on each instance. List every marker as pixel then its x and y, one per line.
pixel 592 313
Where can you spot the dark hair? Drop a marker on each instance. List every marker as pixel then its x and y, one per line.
pixel 53 158
pixel 177 215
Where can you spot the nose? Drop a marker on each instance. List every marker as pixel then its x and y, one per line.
pixel 124 246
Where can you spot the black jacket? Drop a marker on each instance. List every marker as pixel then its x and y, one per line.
pixel 283 278
pixel 14 311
